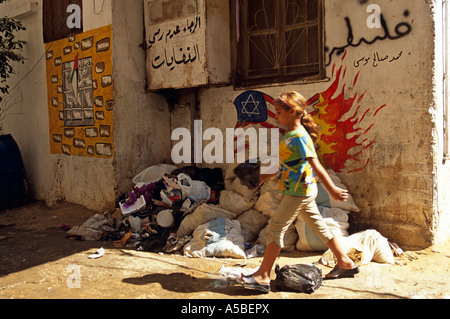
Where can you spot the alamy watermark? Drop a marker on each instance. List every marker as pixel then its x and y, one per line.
pixel 374 20
pixel 74 278
pixel 74 19
pixel 229 148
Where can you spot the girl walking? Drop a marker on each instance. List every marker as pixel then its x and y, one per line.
pixel 299 167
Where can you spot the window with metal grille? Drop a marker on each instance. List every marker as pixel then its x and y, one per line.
pixel 55 19
pixel 278 41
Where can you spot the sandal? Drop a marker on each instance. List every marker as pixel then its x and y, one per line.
pixel 337 273
pixel 123 241
pixel 251 283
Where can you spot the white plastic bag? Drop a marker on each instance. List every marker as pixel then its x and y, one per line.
pixel 152 174
pixel 235 273
pixel 195 190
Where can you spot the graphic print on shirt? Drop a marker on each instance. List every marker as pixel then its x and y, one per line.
pixel 296 176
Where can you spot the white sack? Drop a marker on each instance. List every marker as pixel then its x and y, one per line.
pixel 200 216
pixel 234 202
pixel 252 222
pixel 269 199
pixel 290 238
pixel 370 242
pixel 324 199
pixel 230 176
pixel 220 237
pixel 233 183
pixel 335 218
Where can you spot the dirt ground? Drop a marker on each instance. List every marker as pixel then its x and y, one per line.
pixel 39 262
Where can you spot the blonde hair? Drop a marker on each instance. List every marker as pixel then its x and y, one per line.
pixel 292 100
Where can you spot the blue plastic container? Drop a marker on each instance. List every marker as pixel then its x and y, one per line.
pixel 13 185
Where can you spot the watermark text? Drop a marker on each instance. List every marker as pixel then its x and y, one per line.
pixel 231 148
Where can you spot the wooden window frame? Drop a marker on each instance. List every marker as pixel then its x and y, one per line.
pixel 241 53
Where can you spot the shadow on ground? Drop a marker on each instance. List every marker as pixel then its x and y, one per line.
pixel 32 235
pixel 184 283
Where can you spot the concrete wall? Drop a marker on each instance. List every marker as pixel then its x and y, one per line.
pixel 440 117
pixel 142 120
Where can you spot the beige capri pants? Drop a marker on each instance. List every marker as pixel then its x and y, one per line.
pixel 288 210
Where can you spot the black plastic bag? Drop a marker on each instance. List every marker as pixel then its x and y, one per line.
pixel 249 173
pixel 298 278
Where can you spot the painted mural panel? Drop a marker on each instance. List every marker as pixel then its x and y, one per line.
pixel 80 94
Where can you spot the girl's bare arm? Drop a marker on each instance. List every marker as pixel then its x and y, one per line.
pixel 336 192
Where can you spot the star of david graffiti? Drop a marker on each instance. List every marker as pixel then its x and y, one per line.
pixel 251 107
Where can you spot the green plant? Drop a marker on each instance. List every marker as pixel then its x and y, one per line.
pixel 10 49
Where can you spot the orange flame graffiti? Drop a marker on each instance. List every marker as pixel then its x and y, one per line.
pixel 341 133
pixel 341 118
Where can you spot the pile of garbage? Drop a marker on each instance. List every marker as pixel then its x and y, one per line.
pixel 202 213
